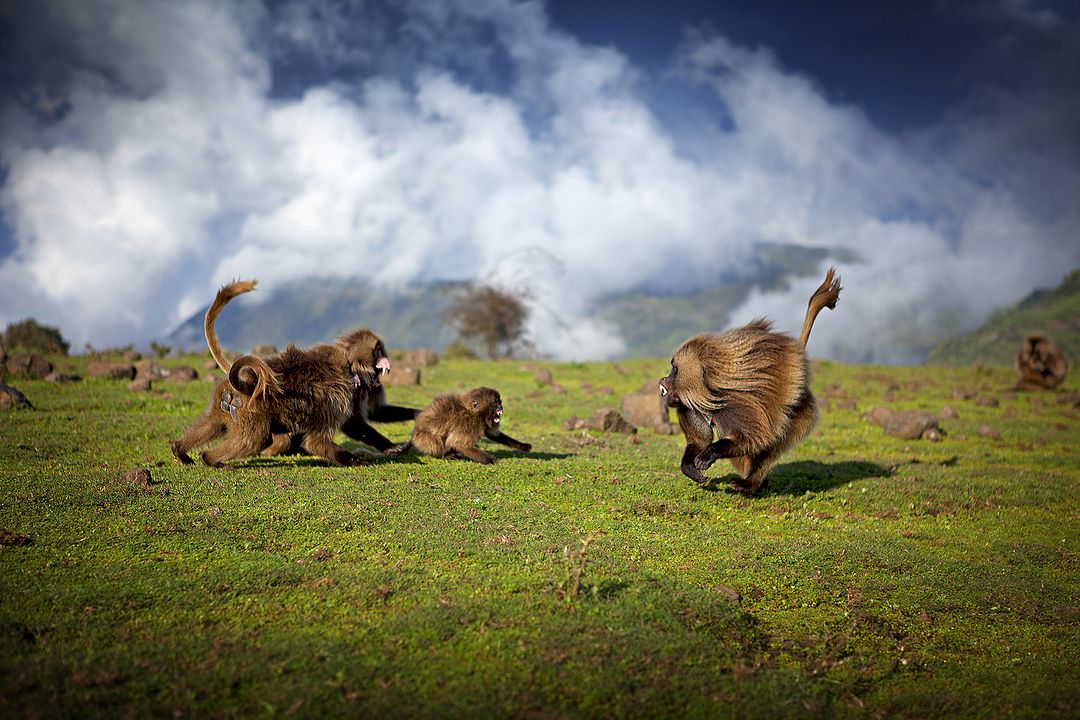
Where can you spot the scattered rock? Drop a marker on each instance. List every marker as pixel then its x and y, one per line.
pixel 847 404
pixel 182 374
pixel 987 401
pixel 139 384
pixel 948 413
pixel 150 369
pixel 421 357
pixel 729 592
pixel 988 431
pixel 645 407
pixel 61 378
pixel 401 376
pixel 210 364
pixel 586 387
pixel 1069 398
pixel 1009 412
pixel 606 390
pixel 879 415
pixel 933 435
pixel 12 398
pixel 543 376
pixel 28 365
pixel 132 356
pixel 573 423
pixel 910 424
pixel 962 394
pixel 264 350
pixel 558 389
pixel 110 370
pixel 13 539
pixel 665 429
pixel 140 477
pixel 609 420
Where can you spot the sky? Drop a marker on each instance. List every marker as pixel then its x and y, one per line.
pixel 152 150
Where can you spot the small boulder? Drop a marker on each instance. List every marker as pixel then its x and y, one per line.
pixel 421 357
pixel 263 350
pixel 609 420
pixel 182 374
pixel 11 398
pixel 645 407
pixel 28 365
pixel 150 369
pixel 401 376
pixel 879 415
pixel 111 370
pixel 61 378
pixel 543 376
pixel 910 424
pixel 988 431
pixel 987 401
pixel 139 384
pixel 948 413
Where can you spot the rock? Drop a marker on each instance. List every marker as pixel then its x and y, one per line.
pixel 139 384
pixel 28 365
pixel 665 429
pixel 132 356
pixel 987 401
pixel 110 370
pixel 140 477
pixel 609 420
pixel 61 378
pixel 150 369
pixel 543 376
pixel 645 407
pixel 948 413
pixel 558 389
pixel 210 364
pixel 421 357
pixel 12 398
pixel 933 435
pixel 1069 398
pixel 13 539
pixel 988 431
pixel 263 350
pixel 959 393
pixel 401 376
pixel 910 424
pixel 573 423
pixel 879 415
pixel 183 374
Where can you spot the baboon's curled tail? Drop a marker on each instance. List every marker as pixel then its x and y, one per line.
pixel 265 377
pixel 824 297
pixel 225 294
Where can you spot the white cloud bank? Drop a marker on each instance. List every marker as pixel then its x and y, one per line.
pixel 174 167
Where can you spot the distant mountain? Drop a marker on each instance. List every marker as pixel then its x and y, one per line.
pixel 1053 312
pixel 318 310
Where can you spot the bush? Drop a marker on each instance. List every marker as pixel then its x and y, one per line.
pixel 32 336
pixel 491 317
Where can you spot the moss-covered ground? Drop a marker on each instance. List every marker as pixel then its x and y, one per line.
pixel 874 577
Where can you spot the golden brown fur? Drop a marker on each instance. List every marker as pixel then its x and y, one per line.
pixel 748 387
pixel 1041 364
pixel 310 393
pixel 453 424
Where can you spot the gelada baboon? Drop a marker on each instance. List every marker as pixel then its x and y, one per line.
pixel 369 404
pixel 453 424
pixel 297 392
pixel 1041 363
pixel 749 386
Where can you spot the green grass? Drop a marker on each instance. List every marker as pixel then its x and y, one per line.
pixel 875 577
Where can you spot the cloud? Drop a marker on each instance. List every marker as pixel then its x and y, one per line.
pixel 450 140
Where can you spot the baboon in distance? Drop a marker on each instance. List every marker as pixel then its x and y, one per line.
pixel 307 392
pixel 453 424
pixel 1041 364
pixel 749 386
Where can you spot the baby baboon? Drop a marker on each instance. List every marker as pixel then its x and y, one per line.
pixel 298 392
pixel 1041 363
pixel 453 424
pixel 751 387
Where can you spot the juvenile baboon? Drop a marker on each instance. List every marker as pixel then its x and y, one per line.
pixel 453 424
pixel 749 386
pixel 1041 363
pixel 297 392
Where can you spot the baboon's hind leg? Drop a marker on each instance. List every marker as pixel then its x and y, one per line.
pixel 202 432
pixel 237 445
pixel 803 419
pixel 323 445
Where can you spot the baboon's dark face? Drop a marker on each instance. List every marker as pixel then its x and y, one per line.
pixel 367 356
pixel 486 403
pixel 669 384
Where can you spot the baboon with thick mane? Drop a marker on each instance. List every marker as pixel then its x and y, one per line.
pixel 309 393
pixel 750 388
pixel 1041 364
pixel 453 424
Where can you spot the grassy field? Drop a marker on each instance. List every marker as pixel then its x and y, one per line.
pixel 875 577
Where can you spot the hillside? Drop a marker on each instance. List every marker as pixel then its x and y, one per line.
pixel 1054 312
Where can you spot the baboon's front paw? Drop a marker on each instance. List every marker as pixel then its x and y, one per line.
pixel 693 473
pixel 179 453
pixel 704 460
pixel 396 449
pixel 526 447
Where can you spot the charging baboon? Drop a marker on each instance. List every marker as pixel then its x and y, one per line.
pixel 749 386
pixel 453 424
pixel 369 404
pixel 1041 364
pixel 309 393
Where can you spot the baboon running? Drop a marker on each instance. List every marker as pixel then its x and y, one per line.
pixel 1041 364
pixel 298 392
pixel 453 424
pixel 749 386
